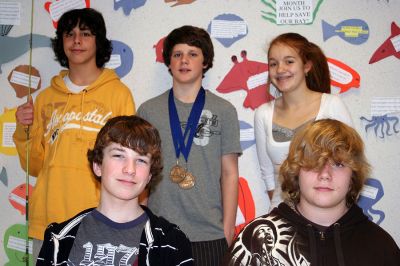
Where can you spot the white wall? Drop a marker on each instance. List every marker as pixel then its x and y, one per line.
pixel 145 25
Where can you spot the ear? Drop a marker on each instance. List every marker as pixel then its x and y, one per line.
pixel 307 67
pixel 97 169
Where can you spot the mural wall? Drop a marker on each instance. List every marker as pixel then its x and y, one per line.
pixel 361 38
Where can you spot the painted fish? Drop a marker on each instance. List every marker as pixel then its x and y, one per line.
pixel 343 76
pixel 7 125
pixel 121 58
pixel 227 29
pixel 159 49
pixel 15 246
pixel 3 176
pixel 53 8
pixel 391 46
pixel 354 31
pixel 17 197
pixel 250 76
pixel 128 5
pixel 179 2
pixel 20 45
pixel 245 204
pixel 247 138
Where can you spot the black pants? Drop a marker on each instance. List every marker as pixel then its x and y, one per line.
pixel 209 253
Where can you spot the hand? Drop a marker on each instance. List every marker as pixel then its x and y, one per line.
pixel 24 113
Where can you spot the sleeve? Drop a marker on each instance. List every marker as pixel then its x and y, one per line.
pixel 35 142
pixel 47 250
pixel 183 253
pixel 260 132
pixel 230 132
pixel 338 110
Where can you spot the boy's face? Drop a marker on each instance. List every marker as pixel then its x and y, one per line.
pixel 186 64
pixel 325 189
pixel 80 46
pixel 124 173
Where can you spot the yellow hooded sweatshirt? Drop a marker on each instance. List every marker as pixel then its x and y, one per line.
pixel 65 126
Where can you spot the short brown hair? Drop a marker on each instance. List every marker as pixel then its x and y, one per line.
pixel 314 146
pixel 192 36
pixel 132 132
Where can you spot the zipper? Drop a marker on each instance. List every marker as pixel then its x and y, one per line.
pixel 322 236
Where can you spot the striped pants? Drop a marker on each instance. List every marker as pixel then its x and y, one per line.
pixel 209 253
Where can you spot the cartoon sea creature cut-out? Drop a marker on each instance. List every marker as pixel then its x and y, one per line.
pixel 59 7
pixel 383 124
pixel 17 197
pixel 343 76
pixel 354 31
pixel 179 2
pixel 251 76
pixel 7 128
pixel 372 192
pixel 121 59
pixel 227 29
pixel 271 12
pixel 4 176
pixel 159 50
pixel 128 5
pixel 391 46
pixel 19 79
pixel 15 240
pixel 245 204
pixel 247 138
pixel 20 45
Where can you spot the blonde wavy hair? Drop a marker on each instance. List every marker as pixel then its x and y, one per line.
pixel 323 141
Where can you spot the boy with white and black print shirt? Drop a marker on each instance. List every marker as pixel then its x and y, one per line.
pixel 125 159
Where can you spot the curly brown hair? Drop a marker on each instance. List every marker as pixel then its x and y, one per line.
pixel 132 132
pixel 318 143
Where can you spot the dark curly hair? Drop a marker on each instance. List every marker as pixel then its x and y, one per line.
pixel 192 36
pixel 134 133
pixel 318 143
pixel 85 18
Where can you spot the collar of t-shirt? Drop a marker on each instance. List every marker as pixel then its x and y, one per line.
pixel 72 87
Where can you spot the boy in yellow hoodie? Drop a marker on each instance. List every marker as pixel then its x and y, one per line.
pixel 65 119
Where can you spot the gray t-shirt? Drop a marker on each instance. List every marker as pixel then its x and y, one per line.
pixel 101 241
pixel 197 211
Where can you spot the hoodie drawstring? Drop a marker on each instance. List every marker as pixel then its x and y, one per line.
pixel 80 120
pixel 313 245
pixel 338 244
pixel 58 130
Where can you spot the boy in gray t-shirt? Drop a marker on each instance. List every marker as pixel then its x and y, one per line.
pixel 200 145
pixel 125 159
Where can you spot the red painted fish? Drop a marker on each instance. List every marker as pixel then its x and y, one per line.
pixel 391 46
pixel 246 204
pixel 17 197
pixel 343 76
pixel 47 6
pixel 159 49
pixel 250 76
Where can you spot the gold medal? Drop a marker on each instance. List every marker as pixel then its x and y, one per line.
pixel 188 182
pixel 177 173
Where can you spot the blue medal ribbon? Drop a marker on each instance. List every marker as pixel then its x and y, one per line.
pixel 191 126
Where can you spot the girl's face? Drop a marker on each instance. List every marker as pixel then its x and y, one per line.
pixel 286 69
